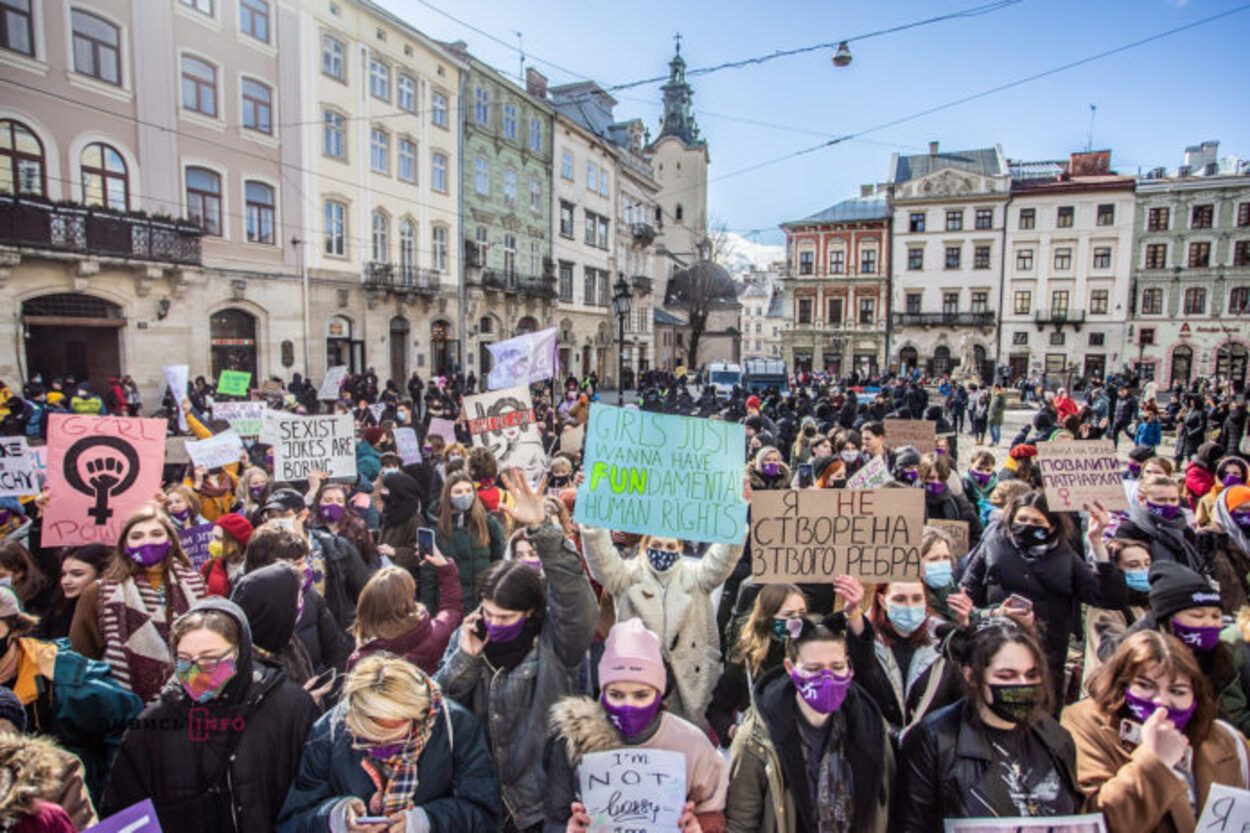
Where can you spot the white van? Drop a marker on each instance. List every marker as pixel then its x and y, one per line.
pixel 723 376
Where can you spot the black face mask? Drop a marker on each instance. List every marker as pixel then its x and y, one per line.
pixel 557 481
pixel 1029 538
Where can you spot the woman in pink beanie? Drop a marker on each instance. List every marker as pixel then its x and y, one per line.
pixel 628 713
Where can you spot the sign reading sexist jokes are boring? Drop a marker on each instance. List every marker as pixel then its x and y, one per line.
pixel 1077 473
pixel 302 445
pixel 672 476
pixel 813 535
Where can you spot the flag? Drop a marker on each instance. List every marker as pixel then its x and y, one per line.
pixel 523 360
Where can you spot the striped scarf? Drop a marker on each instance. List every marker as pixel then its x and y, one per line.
pixel 395 793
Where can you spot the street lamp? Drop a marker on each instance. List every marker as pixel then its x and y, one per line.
pixel 842 57
pixel 620 306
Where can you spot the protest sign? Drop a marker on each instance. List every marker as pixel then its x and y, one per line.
pixel 245 418
pixel 872 475
pixel 176 378
pixel 444 428
pixel 503 421
pixel 920 434
pixel 39 459
pixel 330 385
pixel 523 360
pixel 812 535
pixel 958 532
pixel 376 410
pixel 633 789
pixel 406 445
pixel 572 438
pixel 100 470
pixel 18 476
pixel 1091 823
pixel 674 476
pixel 1227 810
pixel 194 542
pixel 137 818
pixel 176 451
pixel 1077 473
pixel 216 451
pixel 304 444
pixel 234 382
pixel 271 386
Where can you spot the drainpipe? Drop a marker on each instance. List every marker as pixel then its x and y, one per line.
pixel 1002 292
pixel 303 274
pixel 463 341
pixel 889 291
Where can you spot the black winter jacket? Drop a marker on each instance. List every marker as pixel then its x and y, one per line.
pixel 328 645
pixel 346 575
pixel 952 507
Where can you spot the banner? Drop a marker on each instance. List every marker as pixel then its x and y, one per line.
pixel 330 385
pixel 503 421
pixel 234 382
pixel 633 788
pixel 406 445
pixel 444 428
pixel 872 475
pixel 194 542
pixel 304 444
pixel 1077 473
pixel 958 532
pixel 245 418
pixel 176 451
pixel 176 378
pixel 137 818
pixel 673 476
pixel 572 439
pixel 1091 823
pixel 523 360
pixel 100 470
pixel 216 451
pixel 920 434
pixel 812 535
pixel 18 476
pixel 1227 809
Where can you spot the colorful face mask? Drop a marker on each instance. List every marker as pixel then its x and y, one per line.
pixel 1015 703
pixel 906 618
pixel 1166 511
pixel 201 685
pixel 661 560
pixel 936 488
pixel 148 555
pixel 1141 709
pixel 331 513
pixel 938 574
pixel 824 692
pixel 630 720
pixel 1201 639
pixel 216 549
pixel 780 629
pixel 1138 580
pixel 504 633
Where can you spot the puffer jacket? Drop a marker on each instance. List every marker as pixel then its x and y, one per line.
pixel 346 575
pixel 471 559
pixel 516 703
pixel 945 770
pixel 676 606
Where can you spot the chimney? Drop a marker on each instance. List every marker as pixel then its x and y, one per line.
pixel 535 83
pixel 1210 152
pixel 933 148
pixel 1090 163
pixel 867 190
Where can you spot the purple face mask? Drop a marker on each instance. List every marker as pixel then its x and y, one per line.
pixel 504 633
pixel 331 512
pixel 269 457
pixel 5 514
pixel 770 469
pixel 1203 639
pixel 1166 511
pixel 981 477
pixel 908 476
pixel 1232 479
pixel 256 492
pixel 824 692
pixel 1241 518
pixel 1141 709
pixel 309 575
pixel 1134 469
pixel 935 488
pixel 148 555
pixel 630 720
pixel 181 515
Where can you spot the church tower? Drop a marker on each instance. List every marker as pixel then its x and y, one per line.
pixel 679 103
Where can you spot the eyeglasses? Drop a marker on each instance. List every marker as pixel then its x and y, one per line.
pixel 205 664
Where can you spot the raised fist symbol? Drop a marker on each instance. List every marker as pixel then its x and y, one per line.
pixel 104 473
pixel 108 475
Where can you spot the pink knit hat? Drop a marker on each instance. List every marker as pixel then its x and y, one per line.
pixel 632 655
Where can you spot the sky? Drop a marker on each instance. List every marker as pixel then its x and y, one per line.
pixel 1152 101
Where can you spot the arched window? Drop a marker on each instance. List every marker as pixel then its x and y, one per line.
pixel 104 177
pixel 21 160
pixel 232 336
pixel 204 199
pixel 941 359
pixel 908 357
pixel 486 326
pixel 381 237
pixel 407 247
pixel 1182 365
pixel 260 217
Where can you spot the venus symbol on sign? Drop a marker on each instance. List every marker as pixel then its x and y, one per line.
pixel 110 464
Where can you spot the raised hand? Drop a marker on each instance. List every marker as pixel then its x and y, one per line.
pixel 1160 736
pixel 435 558
pixel 528 506
pixel 470 642
pixel 960 605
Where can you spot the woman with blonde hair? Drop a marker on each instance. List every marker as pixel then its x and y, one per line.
pixel 389 617
pixel 395 748
pixel 182 505
pixel 252 491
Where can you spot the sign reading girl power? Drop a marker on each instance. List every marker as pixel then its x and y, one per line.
pixel 673 476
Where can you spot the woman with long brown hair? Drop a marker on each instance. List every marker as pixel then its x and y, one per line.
pixel 33 588
pixel 464 532
pixel 389 618
pixel 125 617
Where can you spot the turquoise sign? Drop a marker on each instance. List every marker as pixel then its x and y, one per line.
pixel 671 476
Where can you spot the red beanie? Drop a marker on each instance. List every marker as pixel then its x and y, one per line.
pixel 753 401
pixel 1023 450
pixel 236 526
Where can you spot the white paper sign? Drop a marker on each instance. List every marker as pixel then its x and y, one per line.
pixel 503 421
pixel 216 451
pixel 873 475
pixel 1227 809
pixel 18 474
pixel 329 389
pixel 1091 823
pixel 304 444
pixel 406 445
pixel 176 378
pixel 523 360
pixel 39 459
pixel 246 418
pixel 632 789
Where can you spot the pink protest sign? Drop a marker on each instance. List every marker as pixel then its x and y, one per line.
pixel 100 470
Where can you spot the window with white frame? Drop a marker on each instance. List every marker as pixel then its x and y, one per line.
pixel 509 255
pixel 439 239
pixel 381 238
pixel 481 106
pixel 254 19
pixel 259 202
pixel 333 137
pixel 592 176
pixel 379 151
pixel 481 175
pixel 438 108
pixel 335 228
pixel 566 165
pixel 536 134
pixel 604 182
pixel 379 80
pixel 257 106
pixel 407 160
pixel 332 58
pixel 201 6
pixel 405 93
pixel 438 172
pixel 509 187
pixel 536 195
pixel 509 121
pixel 407 246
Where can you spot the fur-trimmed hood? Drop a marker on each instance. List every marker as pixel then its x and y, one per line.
pixel 584 726
pixel 31 768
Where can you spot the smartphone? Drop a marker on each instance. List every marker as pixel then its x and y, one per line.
pixel 324 677
pixel 1130 732
pixel 479 627
pixel 805 475
pixel 425 541
pixel 1017 602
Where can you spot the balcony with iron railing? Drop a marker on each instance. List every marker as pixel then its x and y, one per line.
pixel 1060 316
pixel 401 278
pixel 644 233
pixel 943 319
pixel 97 232
pixel 534 286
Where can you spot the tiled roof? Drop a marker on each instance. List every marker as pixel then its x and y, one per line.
pixel 776 304
pixel 983 161
pixel 660 316
pixel 848 211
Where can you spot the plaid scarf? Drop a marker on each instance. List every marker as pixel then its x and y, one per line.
pixel 395 778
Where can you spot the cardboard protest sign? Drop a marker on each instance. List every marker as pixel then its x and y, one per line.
pixel 216 451
pixel 406 445
pixel 523 360
pixel 674 476
pixel 304 444
pixel 39 460
pixel 958 532
pixel 812 535
pixel 18 476
pixel 234 382
pixel 176 378
pixel 572 438
pixel 330 385
pixel 1091 823
pixel 271 386
pixel 632 789
pixel 137 818
pixel 1227 809
pixel 245 418
pixel 1077 473
pixel 872 475
pixel 920 434
pixel 176 451
pixel 100 470
pixel 503 421
pixel 194 542
pixel 444 428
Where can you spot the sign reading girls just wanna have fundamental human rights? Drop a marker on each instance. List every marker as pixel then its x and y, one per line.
pixel 672 476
